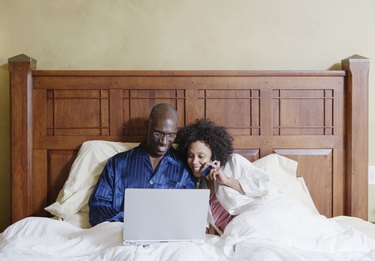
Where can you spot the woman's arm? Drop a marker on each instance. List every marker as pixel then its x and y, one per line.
pixel 230 182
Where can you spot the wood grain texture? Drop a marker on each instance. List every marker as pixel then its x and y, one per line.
pixel 357 134
pixel 20 70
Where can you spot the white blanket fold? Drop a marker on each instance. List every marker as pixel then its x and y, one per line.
pixel 48 239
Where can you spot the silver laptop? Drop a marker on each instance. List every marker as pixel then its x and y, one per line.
pixel 165 215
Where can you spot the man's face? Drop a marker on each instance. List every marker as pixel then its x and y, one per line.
pixel 161 135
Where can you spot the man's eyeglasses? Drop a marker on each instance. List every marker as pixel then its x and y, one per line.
pixel 161 135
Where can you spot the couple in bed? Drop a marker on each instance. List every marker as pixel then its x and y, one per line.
pixel 201 144
pixel 244 204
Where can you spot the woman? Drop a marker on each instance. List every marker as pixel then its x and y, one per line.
pixel 239 188
pixel 232 186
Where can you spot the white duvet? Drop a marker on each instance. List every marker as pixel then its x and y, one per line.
pixel 48 239
pixel 273 228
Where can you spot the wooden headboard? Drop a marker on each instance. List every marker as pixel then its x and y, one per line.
pixel 319 118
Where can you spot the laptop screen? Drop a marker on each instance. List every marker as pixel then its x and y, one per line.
pixel 163 215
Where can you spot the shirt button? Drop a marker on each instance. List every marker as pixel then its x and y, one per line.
pixel 151 182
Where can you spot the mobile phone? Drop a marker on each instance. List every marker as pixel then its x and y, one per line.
pixel 206 170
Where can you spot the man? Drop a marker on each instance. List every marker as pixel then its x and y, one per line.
pixel 153 164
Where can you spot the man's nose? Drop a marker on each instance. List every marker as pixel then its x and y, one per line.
pixel 163 140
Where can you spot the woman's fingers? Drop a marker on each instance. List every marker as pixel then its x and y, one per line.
pixel 216 164
pixel 216 171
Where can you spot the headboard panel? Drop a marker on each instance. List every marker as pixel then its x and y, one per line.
pixel 310 116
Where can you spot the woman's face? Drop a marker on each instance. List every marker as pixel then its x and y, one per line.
pixel 198 155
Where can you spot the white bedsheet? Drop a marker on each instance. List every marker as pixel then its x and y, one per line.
pixel 273 228
pixel 278 228
pixel 47 239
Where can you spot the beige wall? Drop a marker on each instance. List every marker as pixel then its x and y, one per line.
pixel 176 34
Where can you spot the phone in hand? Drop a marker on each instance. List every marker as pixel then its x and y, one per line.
pixel 206 170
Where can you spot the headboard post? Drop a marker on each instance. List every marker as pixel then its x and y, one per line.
pixel 20 74
pixel 356 105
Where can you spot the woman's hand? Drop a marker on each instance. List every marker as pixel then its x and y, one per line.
pixel 218 174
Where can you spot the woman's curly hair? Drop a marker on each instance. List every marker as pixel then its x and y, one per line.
pixel 217 138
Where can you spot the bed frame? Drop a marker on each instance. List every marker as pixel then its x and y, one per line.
pixel 319 118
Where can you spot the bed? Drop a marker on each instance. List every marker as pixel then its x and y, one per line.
pixel 316 118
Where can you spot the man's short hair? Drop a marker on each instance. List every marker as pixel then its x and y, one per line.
pixel 161 108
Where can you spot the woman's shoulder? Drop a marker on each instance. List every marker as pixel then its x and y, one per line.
pixel 237 161
pixel 238 158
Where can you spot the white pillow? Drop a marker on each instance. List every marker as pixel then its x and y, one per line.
pixel 283 174
pixel 83 176
pixel 275 163
pixel 79 219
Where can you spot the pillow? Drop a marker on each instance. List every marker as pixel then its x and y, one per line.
pixel 275 163
pixel 79 219
pixel 283 174
pixel 83 176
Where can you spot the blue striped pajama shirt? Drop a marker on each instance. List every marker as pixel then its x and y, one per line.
pixel 133 169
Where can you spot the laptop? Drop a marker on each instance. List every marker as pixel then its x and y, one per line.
pixel 165 215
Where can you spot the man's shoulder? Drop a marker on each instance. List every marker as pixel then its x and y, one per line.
pixel 127 153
